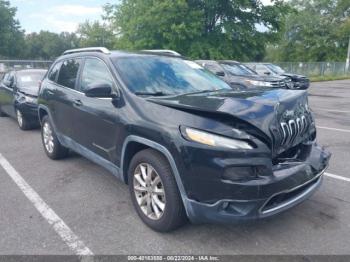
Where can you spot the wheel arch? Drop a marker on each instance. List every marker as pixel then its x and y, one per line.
pixel 42 111
pixel 137 143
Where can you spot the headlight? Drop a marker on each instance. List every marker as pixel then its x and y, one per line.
pixel 213 140
pixel 259 83
pixel 29 99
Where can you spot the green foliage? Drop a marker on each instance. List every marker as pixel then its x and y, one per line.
pixel 197 28
pixel 47 45
pixel 11 36
pixel 317 30
pixel 95 34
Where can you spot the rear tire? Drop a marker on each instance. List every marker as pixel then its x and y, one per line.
pixel 22 121
pixel 154 192
pixel 52 146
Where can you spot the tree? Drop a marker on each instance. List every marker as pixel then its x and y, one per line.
pixel 47 45
pixel 317 30
pixel 95 34
pixel 11 35
pixel 197 28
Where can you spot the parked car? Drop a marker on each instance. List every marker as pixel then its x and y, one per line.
pixel 299 81
pixel 18 96
pixel 238 76
pixel 187 144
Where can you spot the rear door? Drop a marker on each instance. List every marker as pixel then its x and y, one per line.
pixel 96 122
pixel 63 95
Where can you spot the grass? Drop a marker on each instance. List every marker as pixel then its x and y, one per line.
pixel 328 78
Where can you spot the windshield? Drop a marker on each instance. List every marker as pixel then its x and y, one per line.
pixel 30 79
pixel 165 76
pixel 236 69
pixel 276 69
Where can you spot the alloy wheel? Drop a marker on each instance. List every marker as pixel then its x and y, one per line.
pixel 19 118
pixel 48 137
pixel 149 191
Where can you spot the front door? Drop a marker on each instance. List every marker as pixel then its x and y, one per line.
pixel 96 122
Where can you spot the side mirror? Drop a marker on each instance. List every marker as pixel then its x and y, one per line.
pixel 220 73
pixel 101 90
pixel 267 73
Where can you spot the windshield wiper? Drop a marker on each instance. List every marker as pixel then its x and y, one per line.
pixel 158 93
pixel 206 91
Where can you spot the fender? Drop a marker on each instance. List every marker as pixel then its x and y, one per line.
pixel 169 157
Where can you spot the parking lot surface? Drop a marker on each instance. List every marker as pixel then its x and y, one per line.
pixel 97 211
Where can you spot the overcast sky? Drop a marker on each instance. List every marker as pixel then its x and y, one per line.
pixel 59 15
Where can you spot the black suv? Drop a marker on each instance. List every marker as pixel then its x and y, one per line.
pixel 267 69
pixel 18 96
pixel 240 76
pixel 187 144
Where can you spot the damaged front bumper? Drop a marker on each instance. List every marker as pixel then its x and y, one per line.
pixel 291 182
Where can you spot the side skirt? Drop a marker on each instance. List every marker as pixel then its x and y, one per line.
pixel 76 147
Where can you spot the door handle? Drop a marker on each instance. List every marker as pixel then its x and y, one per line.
pixel 78 102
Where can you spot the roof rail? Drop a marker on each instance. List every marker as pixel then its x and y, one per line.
pixel 163 51
pixel 88 49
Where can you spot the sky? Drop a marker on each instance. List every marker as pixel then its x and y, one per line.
pixel 56 15
pixel 59 15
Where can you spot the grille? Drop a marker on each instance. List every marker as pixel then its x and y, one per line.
pixel 294 128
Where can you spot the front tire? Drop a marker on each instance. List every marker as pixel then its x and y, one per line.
pixel 154 192
pixel 22 121
pixel 52 146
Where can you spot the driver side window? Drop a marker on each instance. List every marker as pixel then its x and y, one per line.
pixel 95 72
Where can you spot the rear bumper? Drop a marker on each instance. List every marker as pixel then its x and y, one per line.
pixel 287 187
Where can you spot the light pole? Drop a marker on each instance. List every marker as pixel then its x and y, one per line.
pixel 348 58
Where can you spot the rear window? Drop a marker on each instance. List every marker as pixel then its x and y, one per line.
pixel 69 73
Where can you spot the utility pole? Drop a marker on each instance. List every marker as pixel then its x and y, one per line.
pixel 348 59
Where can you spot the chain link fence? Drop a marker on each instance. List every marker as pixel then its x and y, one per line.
pixel 313 69
pixel 310 69
pixel 8 65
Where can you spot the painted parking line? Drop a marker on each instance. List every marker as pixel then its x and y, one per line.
pixel 337 177
pixel 334 129
pixel 66 234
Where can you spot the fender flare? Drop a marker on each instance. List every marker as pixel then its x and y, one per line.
pixel 162 149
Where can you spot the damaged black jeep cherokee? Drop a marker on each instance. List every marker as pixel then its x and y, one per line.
pixel 188 146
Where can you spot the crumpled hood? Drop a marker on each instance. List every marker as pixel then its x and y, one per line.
pixel 294 76
pixel 260 108
pixel 31 91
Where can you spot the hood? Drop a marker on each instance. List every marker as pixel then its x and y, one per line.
pixel 294 76
pixel 257 78
pixel 264 109
pixel 30 91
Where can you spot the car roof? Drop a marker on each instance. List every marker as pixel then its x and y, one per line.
pixel 116 54
pixel 229 62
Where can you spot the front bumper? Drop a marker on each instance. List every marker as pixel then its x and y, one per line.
pixel 290 184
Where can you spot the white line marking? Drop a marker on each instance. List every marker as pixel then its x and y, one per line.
pixel 330 110
pixel 334 129
pixel 337 177
pixel 67 235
